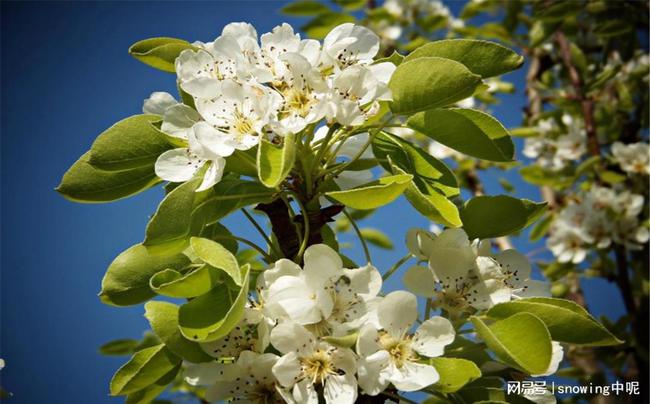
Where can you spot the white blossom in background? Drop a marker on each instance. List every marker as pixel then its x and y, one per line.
pixel 556 148
pixel 633 158
pixel 596 218
pixel 390 354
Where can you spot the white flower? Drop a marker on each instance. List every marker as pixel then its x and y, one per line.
pixel 282 41
pixel 633 158
pixel 355 88
pixel 349 44
pixel 250 379
pixel 325 297
pixel 251 334
pixel 237 115
pixel 182 164
pixel 177 118
pixel 158 102
pixel 392 355
pixel 308 362
pixel 304 94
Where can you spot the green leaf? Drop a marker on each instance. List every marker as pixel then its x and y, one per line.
pixel 469 131
pixel 500 215
pixel 243 162
pixel 537 175
pixel 432 182
pixel 322 24
pixel 132 142
pixel 566 321
pixel 163 318
pixel 374 194
pixel 454 373
pixel 305 8
pixel 231 195
pixel 172 283
pixel 119 347
pixel 86 183
pixel 213 315
pixel 146 395
pixel 159 53
pixel 521 341
pixel 176 219
pixel 430 82
pixel 143 369
pixel 487 59
pixel 221 235
pixel 126 281
pixel 217 256
pixel 377 237
pixel 541 228
pixel 275 163
pixel 394 58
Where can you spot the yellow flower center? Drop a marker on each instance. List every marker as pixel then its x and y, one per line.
pixel 318 366
pixel 399 349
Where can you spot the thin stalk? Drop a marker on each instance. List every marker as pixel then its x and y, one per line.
pixel 429 307
pixel 260 230
pixel 366 251
pixel 395 267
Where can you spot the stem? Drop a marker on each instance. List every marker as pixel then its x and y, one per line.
pixel 427 310
pixel 359 235
pixel 282 226
pixel 395 267
pixel 260 230
pixel 324 146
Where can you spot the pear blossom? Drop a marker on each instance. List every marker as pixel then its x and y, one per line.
pixel 158 102
pixel 309 364
pixel 349 44
pixel 556 148
pixel 237 115
pixel 324 297
pixel 391 354
pixel 177 118
pixel 249 379
pixel 183 163
pixel 633 158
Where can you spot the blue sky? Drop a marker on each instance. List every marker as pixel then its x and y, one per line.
pixel 66 76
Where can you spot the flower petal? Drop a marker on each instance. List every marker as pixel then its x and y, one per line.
pixel 397 312
pixel 290 337
pixel 158 102
pixel 340 389
pixel 413 376
pixel 304 392
pixel 213 174
pixel 432 336
pixel 177 165
pixel 420 280
pixel 371 373
pixel 287 369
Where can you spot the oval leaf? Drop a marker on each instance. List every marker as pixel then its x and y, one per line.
pixel 472 132
pixel 274 163
pixel 85 183
pixel 132 142
pixel 163 318
pixel 217 256
pixel 454 373
pixel 159 53
pixel 375 194
pixel 500 215
pixel 143 369
pixel 430 82
pixel 485 58
pixel 521 341
pixel 213 315
pixel 126 281
pixel 566 321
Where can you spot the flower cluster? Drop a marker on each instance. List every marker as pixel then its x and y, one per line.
pixel 245 89
pixel 557 147
pixel 633 158
pixel 595 219
pixel 464 275
pixel 305 313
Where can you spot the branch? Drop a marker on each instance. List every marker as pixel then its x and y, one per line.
pixel 586 103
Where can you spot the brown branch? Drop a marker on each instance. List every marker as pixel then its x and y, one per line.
pixel 586 103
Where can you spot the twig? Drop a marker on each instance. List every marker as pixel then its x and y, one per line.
pixel 366 251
